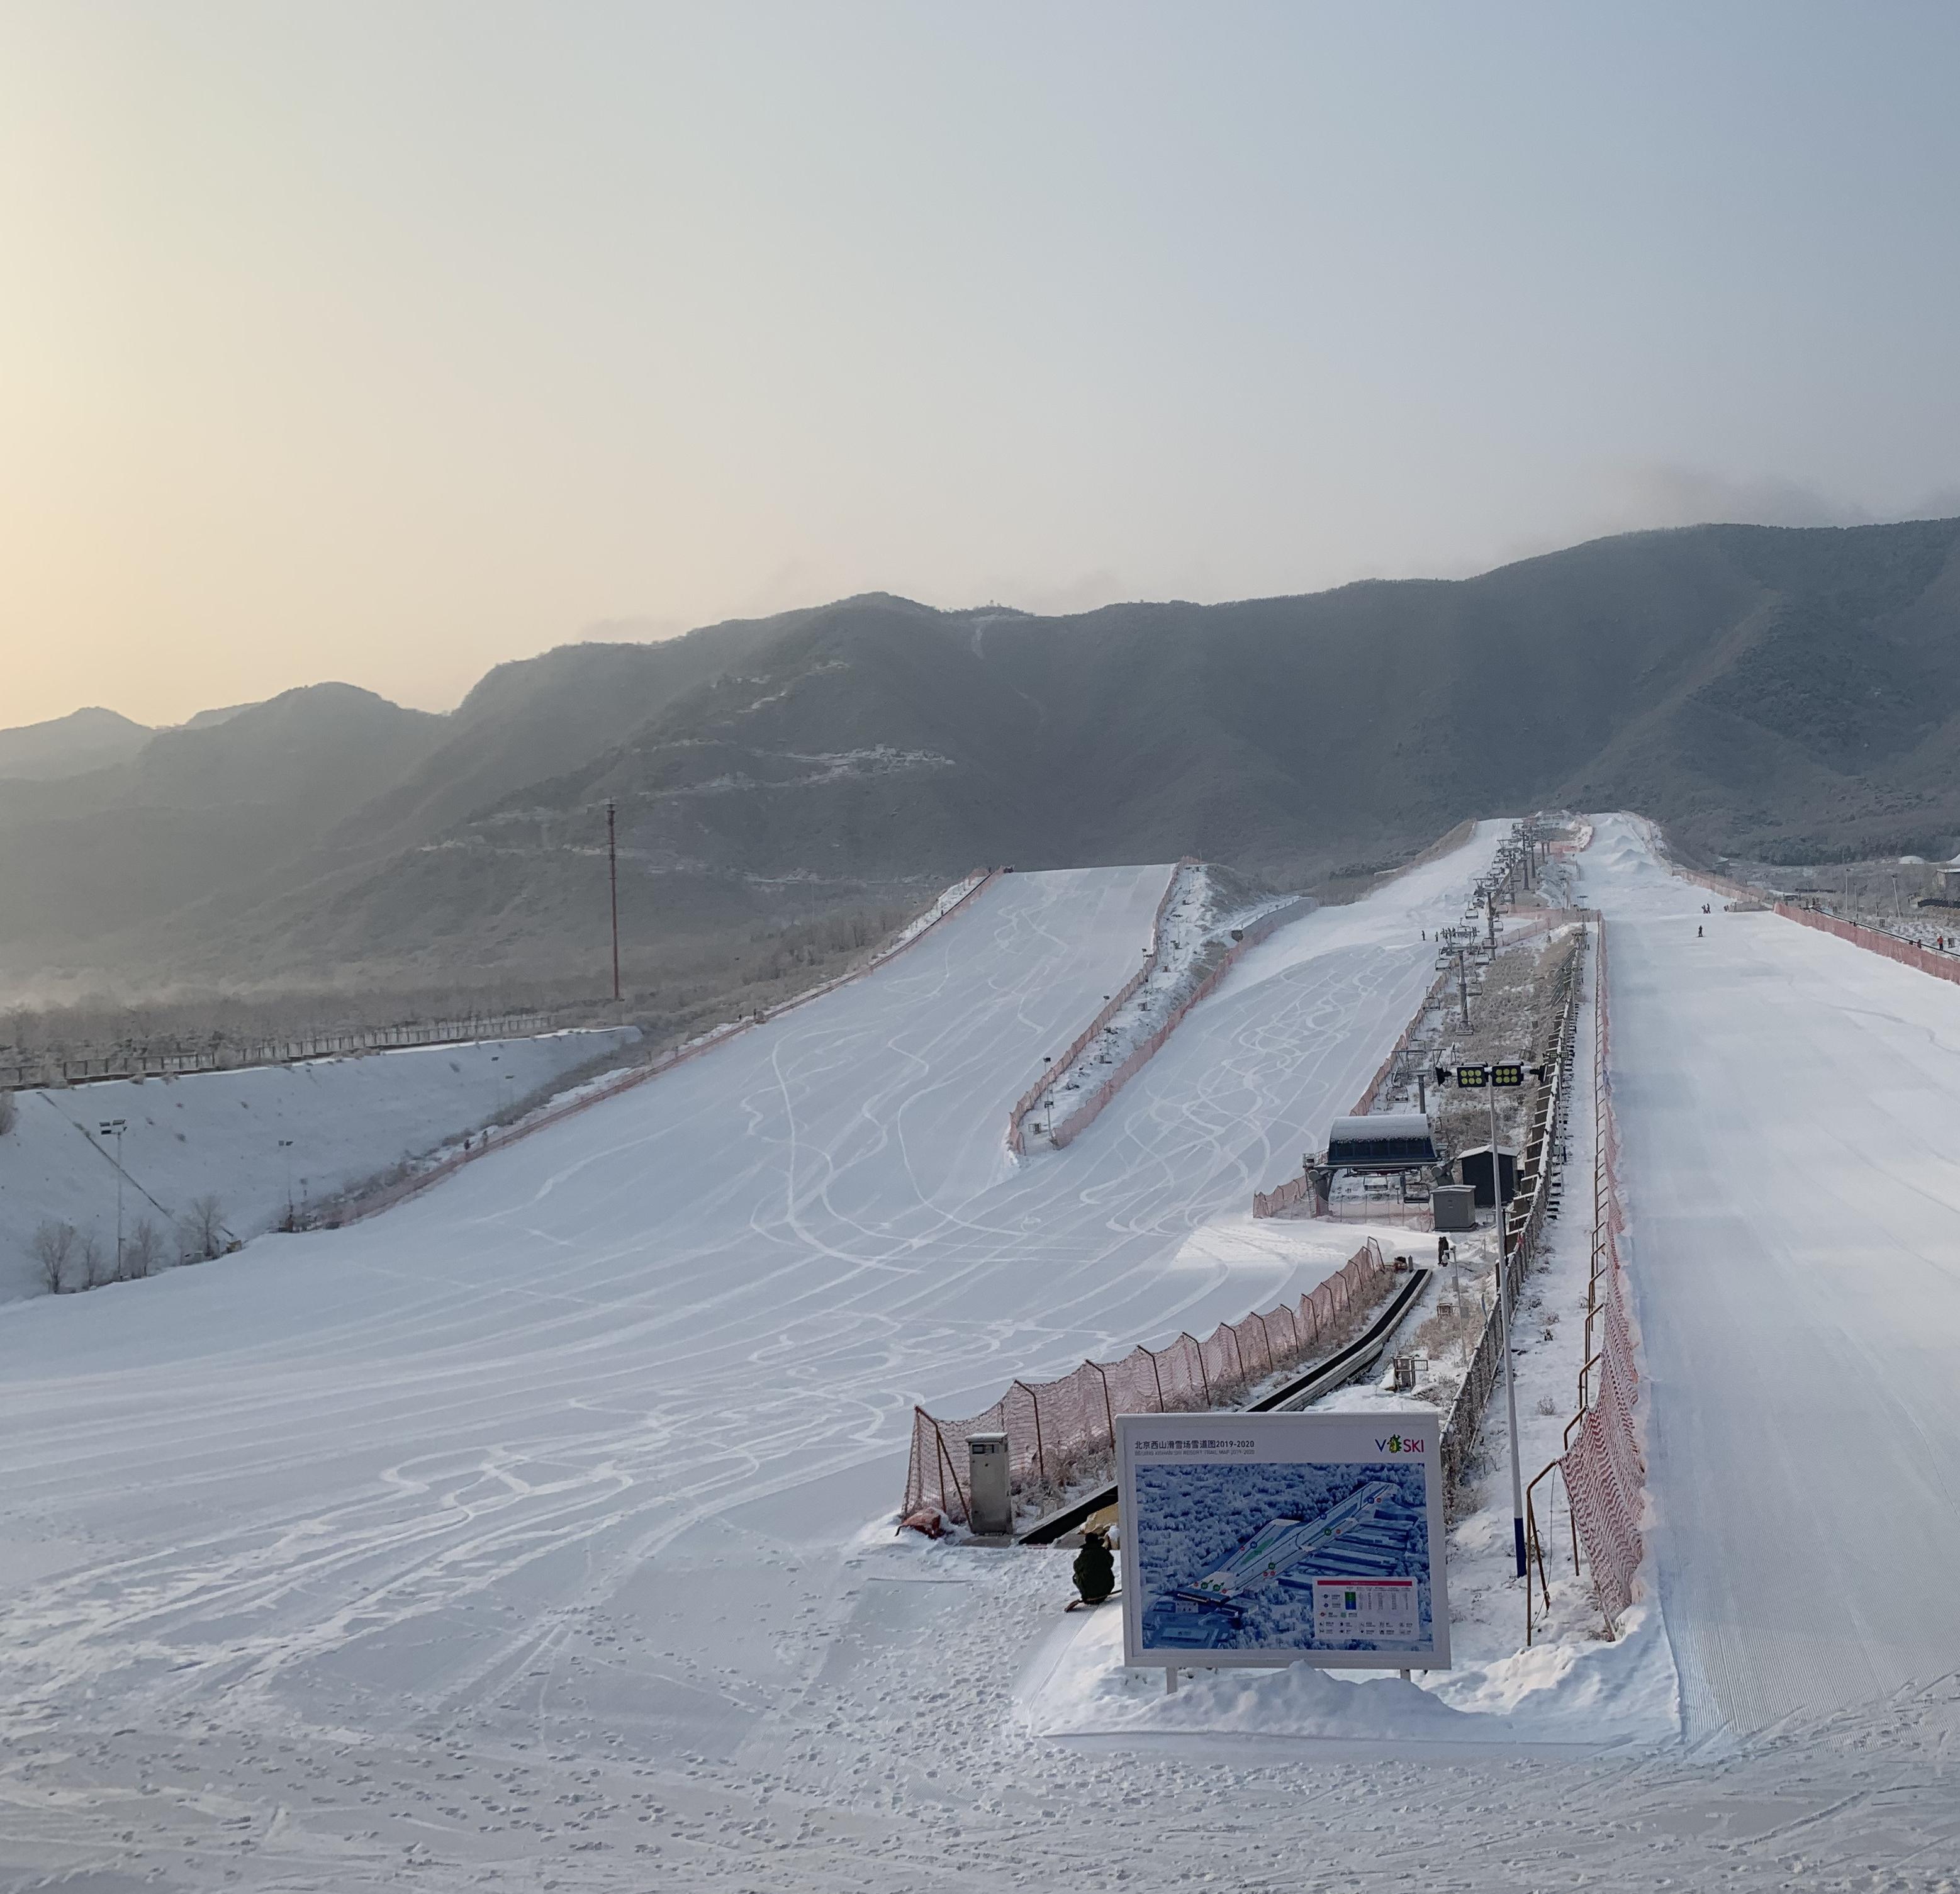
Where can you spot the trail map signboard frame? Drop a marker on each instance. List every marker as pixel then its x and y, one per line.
pixel 1282 1538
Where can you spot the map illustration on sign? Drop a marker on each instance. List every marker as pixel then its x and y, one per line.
pixel 1254 1548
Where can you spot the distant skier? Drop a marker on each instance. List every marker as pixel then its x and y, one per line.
pixel 1697 933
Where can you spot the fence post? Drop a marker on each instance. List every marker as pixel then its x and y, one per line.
pixel 1041 1457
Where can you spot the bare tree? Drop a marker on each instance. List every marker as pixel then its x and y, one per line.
pixel 142 1252
pixel 53 1243
pixel 90 1267
pixel 202 1231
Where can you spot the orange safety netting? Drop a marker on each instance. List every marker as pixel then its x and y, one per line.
pixel 1942 966
pixel 1086 1114
pixel 1059 1431
pixel 1602 1466
pixel 1026 1103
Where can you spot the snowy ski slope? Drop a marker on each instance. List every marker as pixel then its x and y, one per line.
pixel 513 1539
pixel 1789 1109
pixel 574 1447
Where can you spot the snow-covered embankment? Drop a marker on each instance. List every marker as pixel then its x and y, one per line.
pixel 257 1140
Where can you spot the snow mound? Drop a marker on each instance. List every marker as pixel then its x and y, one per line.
pixel 1569 1693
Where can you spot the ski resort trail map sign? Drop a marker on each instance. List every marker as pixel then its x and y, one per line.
pixel 1281 1539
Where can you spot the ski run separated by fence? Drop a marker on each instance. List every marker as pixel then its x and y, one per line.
pixel 1602 1467
pixel 1942 966
pixel 1524 1219
pixel 371 1202
pixel 1296 1191
pixel 1062 1432
pixel 1524 1216
pixel 1091 1105
pixel 1017 1141
pixel 1925 959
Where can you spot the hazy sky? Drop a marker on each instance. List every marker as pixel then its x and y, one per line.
pixel 385 342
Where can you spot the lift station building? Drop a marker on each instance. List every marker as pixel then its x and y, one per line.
pixel 1383 1142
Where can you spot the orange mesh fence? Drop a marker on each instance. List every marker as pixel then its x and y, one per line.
pixel 1942 966
pixel 1602 1466
pixel 1278 1201
pixel 1091 1108
pixel 1059 1432
pixel 1016 1138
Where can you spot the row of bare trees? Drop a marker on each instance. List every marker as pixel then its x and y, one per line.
pixel 68 1260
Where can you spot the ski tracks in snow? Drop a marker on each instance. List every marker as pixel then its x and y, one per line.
pixel 570 1447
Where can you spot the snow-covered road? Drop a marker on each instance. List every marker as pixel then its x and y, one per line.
pixel 566 1454
pixel 1789 1109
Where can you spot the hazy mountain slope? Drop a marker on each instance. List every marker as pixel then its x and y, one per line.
pixel 83 740
pixel 1766 691
pixel 532 720
pixel 1693 674
pixel 805 777
pixel 198 813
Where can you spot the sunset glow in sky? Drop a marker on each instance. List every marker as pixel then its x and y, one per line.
pixel 383 343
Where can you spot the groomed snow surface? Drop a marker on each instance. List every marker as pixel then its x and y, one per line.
pixel 536 1533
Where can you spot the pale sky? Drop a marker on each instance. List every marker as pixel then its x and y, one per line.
pixel 386 342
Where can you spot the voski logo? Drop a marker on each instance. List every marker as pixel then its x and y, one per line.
pixel 1399 1443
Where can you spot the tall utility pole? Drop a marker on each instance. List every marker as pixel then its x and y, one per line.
pixel 114 1128
pixel 612 880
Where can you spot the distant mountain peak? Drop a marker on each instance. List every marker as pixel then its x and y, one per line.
pixel 91 738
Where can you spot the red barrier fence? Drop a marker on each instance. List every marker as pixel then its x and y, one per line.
pixel 1016 1141
pixel 1942 966
pixel 373 1202
pixel 1602 1466
pixel 1086 1113
pixel 1278 1201
pixel 1059 1432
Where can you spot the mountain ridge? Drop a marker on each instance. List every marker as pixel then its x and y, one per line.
pixel 1758 689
